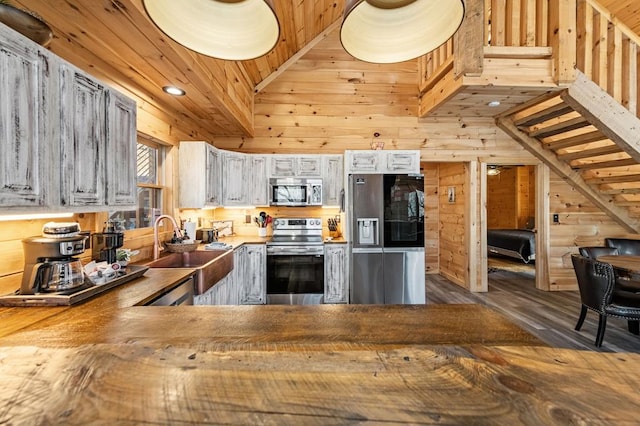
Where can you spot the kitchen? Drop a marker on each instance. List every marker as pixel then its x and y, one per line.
pixel 321 123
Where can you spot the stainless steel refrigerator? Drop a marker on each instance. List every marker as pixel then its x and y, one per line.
pixel 387 237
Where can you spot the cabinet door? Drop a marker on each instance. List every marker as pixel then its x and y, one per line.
pixel 121 151
pixel 363 161
pixel 282 166
pixel 335 273
pixel 259 189
pixel 309 166
pixel 254 289
pixel 83 132
pixel 213 176
pixel 234 179
pixel 402 161
pixel 332 179
pixel 237 275
pixel 29 150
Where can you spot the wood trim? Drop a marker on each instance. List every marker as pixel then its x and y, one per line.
pixel 543 229
pixel 300 53
pixel 483 261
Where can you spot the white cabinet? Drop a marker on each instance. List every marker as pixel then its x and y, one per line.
pixel 200 175
pixel 259 183
pixel 295 166
pixel 332 179
pixel 69 142
pixel 401 162
pixel 336 283
pixel 234 180
pixel 26 133
pixel 362 161
pixel 380 161
pixel 254 285
pixel 83 111
pixel 121 151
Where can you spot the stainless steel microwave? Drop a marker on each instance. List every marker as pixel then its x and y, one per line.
pixel 295 192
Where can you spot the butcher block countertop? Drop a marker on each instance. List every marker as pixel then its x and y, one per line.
pixel 109 361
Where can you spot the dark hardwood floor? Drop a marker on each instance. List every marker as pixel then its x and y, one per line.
pixel 551 316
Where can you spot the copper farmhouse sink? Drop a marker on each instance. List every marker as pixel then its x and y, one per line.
pixel 210 265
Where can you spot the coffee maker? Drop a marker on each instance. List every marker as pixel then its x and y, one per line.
pixel 49 262
pixel 105 244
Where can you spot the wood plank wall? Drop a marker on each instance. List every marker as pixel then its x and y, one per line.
pixel 581 224
pixel 511 197
pixel 453 212
pixel 431 217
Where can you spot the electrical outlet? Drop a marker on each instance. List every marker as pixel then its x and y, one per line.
pixel 247 218
pixel 556 218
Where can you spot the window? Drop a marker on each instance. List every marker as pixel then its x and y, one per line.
pixel 149 161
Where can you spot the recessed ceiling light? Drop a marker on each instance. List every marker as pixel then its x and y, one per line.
pixel 493 103
pixel 173 90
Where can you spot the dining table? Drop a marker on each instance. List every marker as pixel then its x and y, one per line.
pixel 628 263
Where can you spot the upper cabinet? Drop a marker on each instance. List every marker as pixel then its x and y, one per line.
pixel 27 86
pixel 295 166
pixel 122 176
pixel 259 189
pixel 211 177
pixel 83 118
pixel 200 175
pixel 332 179
pixel 380 161
pixel 234 179
pixel 69 140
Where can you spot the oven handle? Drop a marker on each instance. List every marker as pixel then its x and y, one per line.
pixel 288 251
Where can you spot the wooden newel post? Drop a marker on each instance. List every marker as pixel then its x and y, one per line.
pixel 562 38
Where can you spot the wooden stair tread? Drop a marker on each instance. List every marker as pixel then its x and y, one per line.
pixel 605 164
pixel 588 153
pixel 559 128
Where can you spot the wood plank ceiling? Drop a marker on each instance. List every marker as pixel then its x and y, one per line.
pixel 115 40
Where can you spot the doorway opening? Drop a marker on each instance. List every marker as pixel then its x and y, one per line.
pixel 511 220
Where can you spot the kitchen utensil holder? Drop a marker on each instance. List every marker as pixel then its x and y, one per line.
pixel 262 232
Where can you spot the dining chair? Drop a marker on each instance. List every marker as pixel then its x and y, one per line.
pixel 595 251
pixel 599 293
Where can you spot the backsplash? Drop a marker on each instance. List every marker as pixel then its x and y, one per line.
pixel 238 217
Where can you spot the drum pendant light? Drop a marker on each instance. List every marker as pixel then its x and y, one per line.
pixel 388 31
pixel 225 29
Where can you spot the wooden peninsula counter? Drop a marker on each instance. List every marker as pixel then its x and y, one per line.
pixel 109 361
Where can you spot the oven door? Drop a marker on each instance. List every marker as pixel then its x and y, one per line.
pixel 295 275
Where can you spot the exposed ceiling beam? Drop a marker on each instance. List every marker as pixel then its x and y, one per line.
pixel 300 53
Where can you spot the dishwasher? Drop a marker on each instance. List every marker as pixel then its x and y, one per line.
pixel 182 294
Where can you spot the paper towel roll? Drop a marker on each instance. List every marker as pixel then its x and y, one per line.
pixel 190 229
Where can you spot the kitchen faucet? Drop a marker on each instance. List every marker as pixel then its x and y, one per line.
pixel 156 239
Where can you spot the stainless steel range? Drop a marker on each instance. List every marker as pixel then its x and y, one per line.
pixel 295 262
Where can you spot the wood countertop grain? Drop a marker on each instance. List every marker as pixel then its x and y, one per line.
pixel 273 327
pixel 110 361
pixel 136 384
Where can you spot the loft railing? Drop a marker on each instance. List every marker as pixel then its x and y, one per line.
pixel 580 34
pixel 607 53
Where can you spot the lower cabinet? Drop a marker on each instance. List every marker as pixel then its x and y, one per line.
pixel 254 285
pixel 336 273
pixel 246 284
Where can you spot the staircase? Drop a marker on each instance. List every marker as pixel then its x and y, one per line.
pixel 589 139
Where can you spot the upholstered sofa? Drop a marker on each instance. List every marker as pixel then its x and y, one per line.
pixel 625 246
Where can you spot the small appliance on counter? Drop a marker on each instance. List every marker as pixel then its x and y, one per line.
pixel 49 262
pixel 105 244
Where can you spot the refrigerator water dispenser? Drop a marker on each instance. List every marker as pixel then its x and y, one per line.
pixel 367 231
